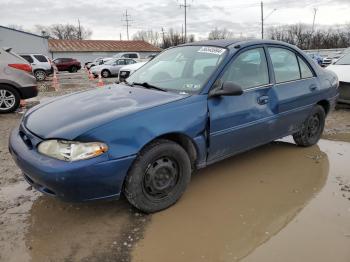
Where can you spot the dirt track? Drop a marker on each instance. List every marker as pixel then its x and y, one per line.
pixel 276 203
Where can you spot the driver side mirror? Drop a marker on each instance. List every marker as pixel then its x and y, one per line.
pixel 228 88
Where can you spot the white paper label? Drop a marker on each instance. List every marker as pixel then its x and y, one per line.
pixel 211 50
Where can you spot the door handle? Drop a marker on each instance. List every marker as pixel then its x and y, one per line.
pixel 312 87
pixel 263 100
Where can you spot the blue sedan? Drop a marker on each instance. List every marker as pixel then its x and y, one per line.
pixel 191 106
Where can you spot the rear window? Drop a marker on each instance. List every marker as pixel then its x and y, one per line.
pixel 40 58
pixel 28 58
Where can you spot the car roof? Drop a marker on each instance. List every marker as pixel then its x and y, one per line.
pixel 227 43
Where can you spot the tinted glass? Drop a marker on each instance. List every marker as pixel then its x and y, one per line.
pixel 249 69
pixel 121 62
pixel 28 58
pixel 132 55
pixel 285 64
pixel 40 58
pixel 305 69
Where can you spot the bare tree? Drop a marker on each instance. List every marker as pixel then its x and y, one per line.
pixel 220 34
pixel 15 26
pixel 64 31
pixel 149 36
pixel 302 36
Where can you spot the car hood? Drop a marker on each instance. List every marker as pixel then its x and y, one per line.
pixel 342 71
pixel 133 66
pixel 72 115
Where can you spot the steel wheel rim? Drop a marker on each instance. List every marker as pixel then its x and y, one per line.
pixel 161 178
pixel 313 125
pixel 7 99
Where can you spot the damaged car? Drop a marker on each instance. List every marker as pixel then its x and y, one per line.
pixel 189 107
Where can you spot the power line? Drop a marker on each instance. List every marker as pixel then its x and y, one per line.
pixel 127 20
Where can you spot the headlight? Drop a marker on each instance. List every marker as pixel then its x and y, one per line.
pixel 71 150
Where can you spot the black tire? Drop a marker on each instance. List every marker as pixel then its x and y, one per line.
pixel 105 73
pixel 73 69
pixel 9 90
pixel 312 128
pixel 158 177
pixel 40 75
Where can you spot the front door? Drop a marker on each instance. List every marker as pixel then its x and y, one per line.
pixel 238 123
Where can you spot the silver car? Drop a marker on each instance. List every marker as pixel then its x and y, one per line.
pixel 16 81
pixel 111 67
pixel 41 65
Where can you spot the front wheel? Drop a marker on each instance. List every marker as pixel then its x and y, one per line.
pixel 312 128
pixel 158 177
pixel 73 69
pixel 105 73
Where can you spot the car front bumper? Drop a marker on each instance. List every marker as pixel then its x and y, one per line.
pixel 92 179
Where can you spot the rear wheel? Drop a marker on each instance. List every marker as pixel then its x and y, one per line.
pixel 9 99
pixel 40 75
pixel 158 177
pixel 312 128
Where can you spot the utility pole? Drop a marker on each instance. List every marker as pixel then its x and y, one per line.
pixel 313 22
pixel 79 30
pixel 262 19
pixel 185 6
pixel 127 20
pixel 163 35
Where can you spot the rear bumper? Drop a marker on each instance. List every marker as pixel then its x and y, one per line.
pixel 96 178
pixel 28 92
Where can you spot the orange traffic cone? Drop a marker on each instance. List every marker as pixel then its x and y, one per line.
pixel 100 81
pixel 55 83
pixel 91 76
pixel 23 103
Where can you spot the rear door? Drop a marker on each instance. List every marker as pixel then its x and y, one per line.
pixel 42 62
pixel 296 88
pixel 238 123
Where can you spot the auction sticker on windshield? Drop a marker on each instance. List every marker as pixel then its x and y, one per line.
pixel 212 50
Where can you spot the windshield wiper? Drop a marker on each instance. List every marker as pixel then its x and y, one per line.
pixel 148 86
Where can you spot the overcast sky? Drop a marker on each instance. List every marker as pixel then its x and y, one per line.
pixel 104 17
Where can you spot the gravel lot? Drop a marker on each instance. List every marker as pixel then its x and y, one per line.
pixel 275 203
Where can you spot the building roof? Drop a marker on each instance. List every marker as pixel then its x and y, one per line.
pixel 56 45
pixel 20 31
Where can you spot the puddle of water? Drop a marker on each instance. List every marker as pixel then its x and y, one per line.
pixel 229 210
pixel 236 205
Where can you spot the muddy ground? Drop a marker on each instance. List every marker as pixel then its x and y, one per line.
pixel 278 202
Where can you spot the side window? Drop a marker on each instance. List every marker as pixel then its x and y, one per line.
pixel 121 62
pixel 28 58
pixel 285 64
pixel 249 69
pixel 132 55
pixel 40 58
pixel 304 69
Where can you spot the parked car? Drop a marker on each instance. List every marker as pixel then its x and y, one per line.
pixel 111 67
pixel 41 65
pixel 317 58
pixel 16 81
pixel 342 68
pixel 96 61
pixel 67 64
pixel 132 55
pixel 191 106
pixel 127 70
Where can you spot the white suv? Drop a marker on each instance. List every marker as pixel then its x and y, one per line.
pixel 41 65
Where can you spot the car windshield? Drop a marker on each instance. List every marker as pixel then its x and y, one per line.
pixel 345 60
pixel 180 69
pixel 110 62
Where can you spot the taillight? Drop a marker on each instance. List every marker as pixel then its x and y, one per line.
pixel 24 67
